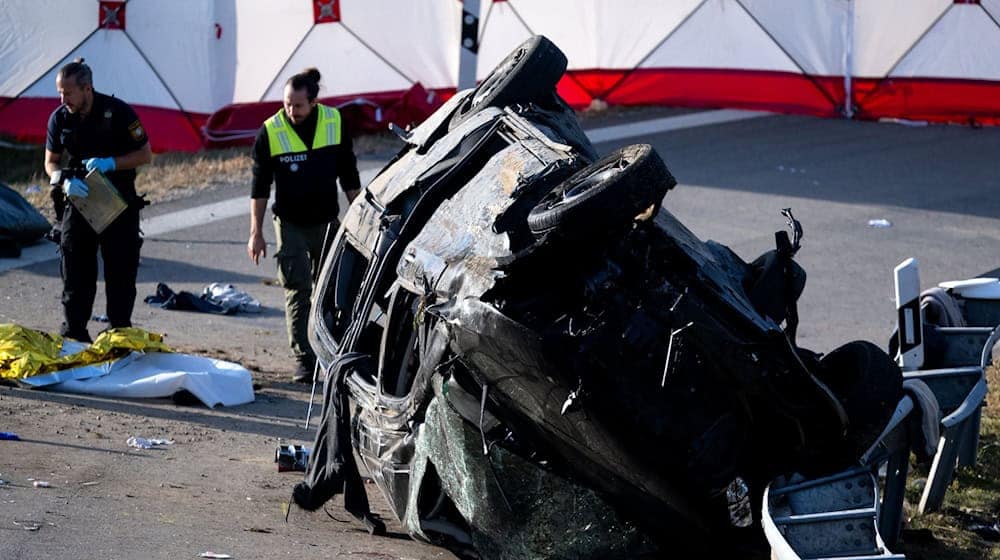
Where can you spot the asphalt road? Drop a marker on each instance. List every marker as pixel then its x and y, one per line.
pixel 938 186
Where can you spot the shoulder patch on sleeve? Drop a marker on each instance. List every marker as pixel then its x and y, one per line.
pixel 138 133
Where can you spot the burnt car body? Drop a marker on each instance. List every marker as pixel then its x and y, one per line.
pixel 531 357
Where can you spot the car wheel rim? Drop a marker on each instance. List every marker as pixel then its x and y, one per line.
pixel 490 84
pixel 578 188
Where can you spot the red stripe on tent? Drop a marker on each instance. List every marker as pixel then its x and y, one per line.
pixel 26 119
pixel 170 130
pixel 935 100
pixel 929 99
pixel 573 93
pixel 597 83
pixel 370 113
pixel 747 89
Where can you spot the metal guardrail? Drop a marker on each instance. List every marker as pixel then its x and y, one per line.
pixel 839 516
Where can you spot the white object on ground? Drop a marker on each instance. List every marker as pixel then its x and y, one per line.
pixel 879 223
pixel 214 555
pixel 156 375
pixel 143 443
pixel 228 297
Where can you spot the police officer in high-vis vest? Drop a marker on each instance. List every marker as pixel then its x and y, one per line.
pixel 303 149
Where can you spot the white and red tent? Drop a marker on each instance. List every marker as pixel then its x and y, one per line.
pixel 210 71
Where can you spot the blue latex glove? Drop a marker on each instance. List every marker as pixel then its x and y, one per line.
pixel 75 187
pixel 102 164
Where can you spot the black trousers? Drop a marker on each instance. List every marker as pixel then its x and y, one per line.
pixel 119 246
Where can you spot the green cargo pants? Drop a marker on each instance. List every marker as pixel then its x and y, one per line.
pixel 299 251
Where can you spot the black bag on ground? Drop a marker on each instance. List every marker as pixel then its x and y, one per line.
pixel 20 223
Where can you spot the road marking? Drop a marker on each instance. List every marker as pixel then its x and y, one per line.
pixel 667 124
pixel 239 206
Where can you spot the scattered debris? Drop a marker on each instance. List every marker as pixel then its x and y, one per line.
pixel 166 298
pixel 143 443
pixel 791 170
pixel 229 297
pixel 40 484
pixel 28 525
pixel 904 122
pixel 988 532
pixel 291 457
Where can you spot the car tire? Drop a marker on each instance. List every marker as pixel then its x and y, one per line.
pixel 531 71
pixel 868 384
pixel 609 193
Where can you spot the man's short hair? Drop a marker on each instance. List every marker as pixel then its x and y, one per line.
pixel 79 71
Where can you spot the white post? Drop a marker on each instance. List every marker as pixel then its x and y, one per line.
pixel 909 322
pixel 849 60
pixel 468 54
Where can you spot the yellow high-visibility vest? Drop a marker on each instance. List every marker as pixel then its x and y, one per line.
pixel 283 139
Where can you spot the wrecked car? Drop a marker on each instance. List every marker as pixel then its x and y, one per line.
pixel 531 357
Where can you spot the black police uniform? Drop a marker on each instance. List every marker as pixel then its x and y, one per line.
pixel 110 129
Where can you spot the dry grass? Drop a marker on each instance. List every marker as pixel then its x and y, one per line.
pixel 992 407
pixel 972 502
pixel 174 175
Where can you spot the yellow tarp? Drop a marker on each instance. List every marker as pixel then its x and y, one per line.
pixel 25 352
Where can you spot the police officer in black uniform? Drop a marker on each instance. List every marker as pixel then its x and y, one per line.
pixel 90 131
pixel 303 150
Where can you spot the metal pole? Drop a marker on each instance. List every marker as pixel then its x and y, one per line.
pixel 469 52
pixel 849 61
pixel 312 395
pixel 316 273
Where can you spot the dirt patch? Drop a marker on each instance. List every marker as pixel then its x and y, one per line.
pixel 215 488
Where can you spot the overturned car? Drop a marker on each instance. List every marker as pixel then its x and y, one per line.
pixel 532 358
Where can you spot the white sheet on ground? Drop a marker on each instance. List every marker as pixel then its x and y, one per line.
pixel 156 374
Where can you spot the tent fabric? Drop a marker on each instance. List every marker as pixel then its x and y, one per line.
pixel 209 71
